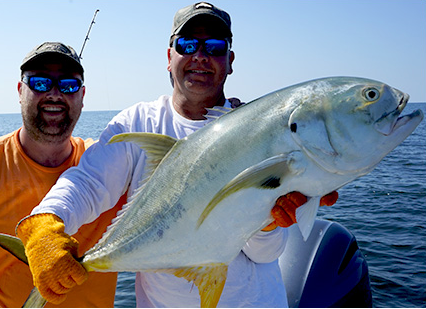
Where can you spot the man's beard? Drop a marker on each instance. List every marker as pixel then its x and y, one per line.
pixel 50 131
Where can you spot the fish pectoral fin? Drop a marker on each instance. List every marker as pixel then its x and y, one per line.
pixel 306 214
pixel 14 245
pixel 267 174
pixel 209 279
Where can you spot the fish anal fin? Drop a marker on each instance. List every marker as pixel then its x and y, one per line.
pixel 14 245
pixel 209 279
pixel 306 214
pixel 267 174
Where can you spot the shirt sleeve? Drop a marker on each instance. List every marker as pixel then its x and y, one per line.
pixel 266 247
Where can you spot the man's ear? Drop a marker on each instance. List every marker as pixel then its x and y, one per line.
pixel 169 58
pixel 19 90
pixel 231 60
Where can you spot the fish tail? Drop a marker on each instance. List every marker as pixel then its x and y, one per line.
pixel 35 300
pixel 14 245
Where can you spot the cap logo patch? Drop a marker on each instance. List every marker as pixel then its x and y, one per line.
pixel 203 5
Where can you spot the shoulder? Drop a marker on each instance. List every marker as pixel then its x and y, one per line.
pixel 81 145
pixel 141 117
pixel 7 137
pixel 144 108
pixel 9 141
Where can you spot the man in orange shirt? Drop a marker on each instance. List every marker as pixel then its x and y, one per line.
pixel 32 158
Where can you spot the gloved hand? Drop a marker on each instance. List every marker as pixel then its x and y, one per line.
pixel 51 256
pixel 284 211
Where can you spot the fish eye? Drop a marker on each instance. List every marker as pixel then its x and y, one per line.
pixel 293 127
pixel 371 94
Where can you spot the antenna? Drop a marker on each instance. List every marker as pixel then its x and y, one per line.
pixel 87 35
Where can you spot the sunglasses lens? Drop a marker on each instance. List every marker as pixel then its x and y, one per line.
pixel 186 46
pixel 216 47
pixel 40 84
pixel 70 85
pixel 44 84
pixel 213 47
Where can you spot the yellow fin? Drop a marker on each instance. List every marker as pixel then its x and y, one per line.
pixel 210 280
pixel 267 174
pixel 158 145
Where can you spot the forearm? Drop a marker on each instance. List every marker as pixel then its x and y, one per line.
pixel 82 193
pixel 77 199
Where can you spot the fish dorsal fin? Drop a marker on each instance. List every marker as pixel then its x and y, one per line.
pixel 267 174
pixel 14 245
pixel 156 146
pixel 209 279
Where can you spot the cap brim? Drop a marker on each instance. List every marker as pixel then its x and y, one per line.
pixel 52 55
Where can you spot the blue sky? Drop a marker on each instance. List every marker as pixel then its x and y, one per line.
pixel 277 43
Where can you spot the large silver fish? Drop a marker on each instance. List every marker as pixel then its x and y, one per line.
pixel 211 191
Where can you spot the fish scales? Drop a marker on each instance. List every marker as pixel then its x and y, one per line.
pixel 212 144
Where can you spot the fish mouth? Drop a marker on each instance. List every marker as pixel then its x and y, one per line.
pixel 391 121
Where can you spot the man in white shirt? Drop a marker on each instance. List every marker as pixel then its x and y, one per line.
pixel 199 60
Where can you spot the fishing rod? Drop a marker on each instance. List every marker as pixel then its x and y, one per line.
pixel 87 35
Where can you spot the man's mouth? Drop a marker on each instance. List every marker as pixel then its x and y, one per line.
pixel 199 71
pixel 53 109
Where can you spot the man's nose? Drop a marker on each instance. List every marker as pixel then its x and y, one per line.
pixel 54 93
pixel 200 54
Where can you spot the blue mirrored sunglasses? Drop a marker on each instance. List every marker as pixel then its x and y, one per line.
pixel 45 84
pixel 212 47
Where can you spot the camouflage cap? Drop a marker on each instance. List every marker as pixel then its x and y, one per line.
pixel 50 49
pixel 201 8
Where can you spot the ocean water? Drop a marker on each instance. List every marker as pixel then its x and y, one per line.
pixel 385 210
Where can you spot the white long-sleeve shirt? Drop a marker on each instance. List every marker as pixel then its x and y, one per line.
pixel 105 173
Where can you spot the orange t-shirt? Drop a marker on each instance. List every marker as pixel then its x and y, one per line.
pixel 23 185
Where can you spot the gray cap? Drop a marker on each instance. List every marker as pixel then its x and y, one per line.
pixel 201 8
pixel 53 49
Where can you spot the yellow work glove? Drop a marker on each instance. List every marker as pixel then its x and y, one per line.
pixel 51 256
pixel 284 211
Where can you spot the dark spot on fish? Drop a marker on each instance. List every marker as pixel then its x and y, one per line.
pixel 293 127
pixel 162 217
pixel 271 183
